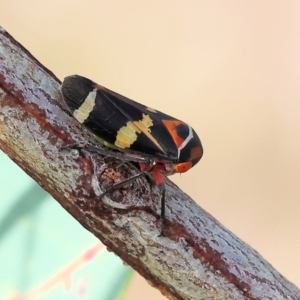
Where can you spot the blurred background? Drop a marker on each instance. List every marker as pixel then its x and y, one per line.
pixel 230 69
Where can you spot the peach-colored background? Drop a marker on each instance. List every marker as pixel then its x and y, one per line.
pixel 231 69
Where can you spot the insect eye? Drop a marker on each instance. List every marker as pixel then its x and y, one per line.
pixel 183 167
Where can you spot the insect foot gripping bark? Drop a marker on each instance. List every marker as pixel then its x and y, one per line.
pixel 160 144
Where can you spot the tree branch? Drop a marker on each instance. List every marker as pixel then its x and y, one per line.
pixel 198 258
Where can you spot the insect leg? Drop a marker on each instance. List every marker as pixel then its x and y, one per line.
pixel 120 184
pixel 118 155
pixel 160 182
pixel 162 209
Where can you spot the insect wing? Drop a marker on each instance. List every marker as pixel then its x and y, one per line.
pixel 119 121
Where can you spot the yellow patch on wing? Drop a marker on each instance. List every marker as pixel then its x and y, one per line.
pixel 102 142
pixel 83 112
pixel 128 134
pixel 151 109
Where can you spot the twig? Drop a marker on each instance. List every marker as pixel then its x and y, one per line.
pixel 198 258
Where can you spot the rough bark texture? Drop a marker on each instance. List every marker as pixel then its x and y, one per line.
pixel 197 259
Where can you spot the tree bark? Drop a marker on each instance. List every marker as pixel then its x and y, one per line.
pixel 196 259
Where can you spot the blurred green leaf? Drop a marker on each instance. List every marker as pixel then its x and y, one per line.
pixel 44 252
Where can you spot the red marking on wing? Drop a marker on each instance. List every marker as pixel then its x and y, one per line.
pixel 171 126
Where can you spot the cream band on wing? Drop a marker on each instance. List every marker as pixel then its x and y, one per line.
pixel 188 138
pixel 127 135
pixel 83 112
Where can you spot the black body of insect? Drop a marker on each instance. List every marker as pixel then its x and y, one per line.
pixel 161 144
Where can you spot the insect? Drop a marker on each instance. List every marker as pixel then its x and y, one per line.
pixel 161 144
